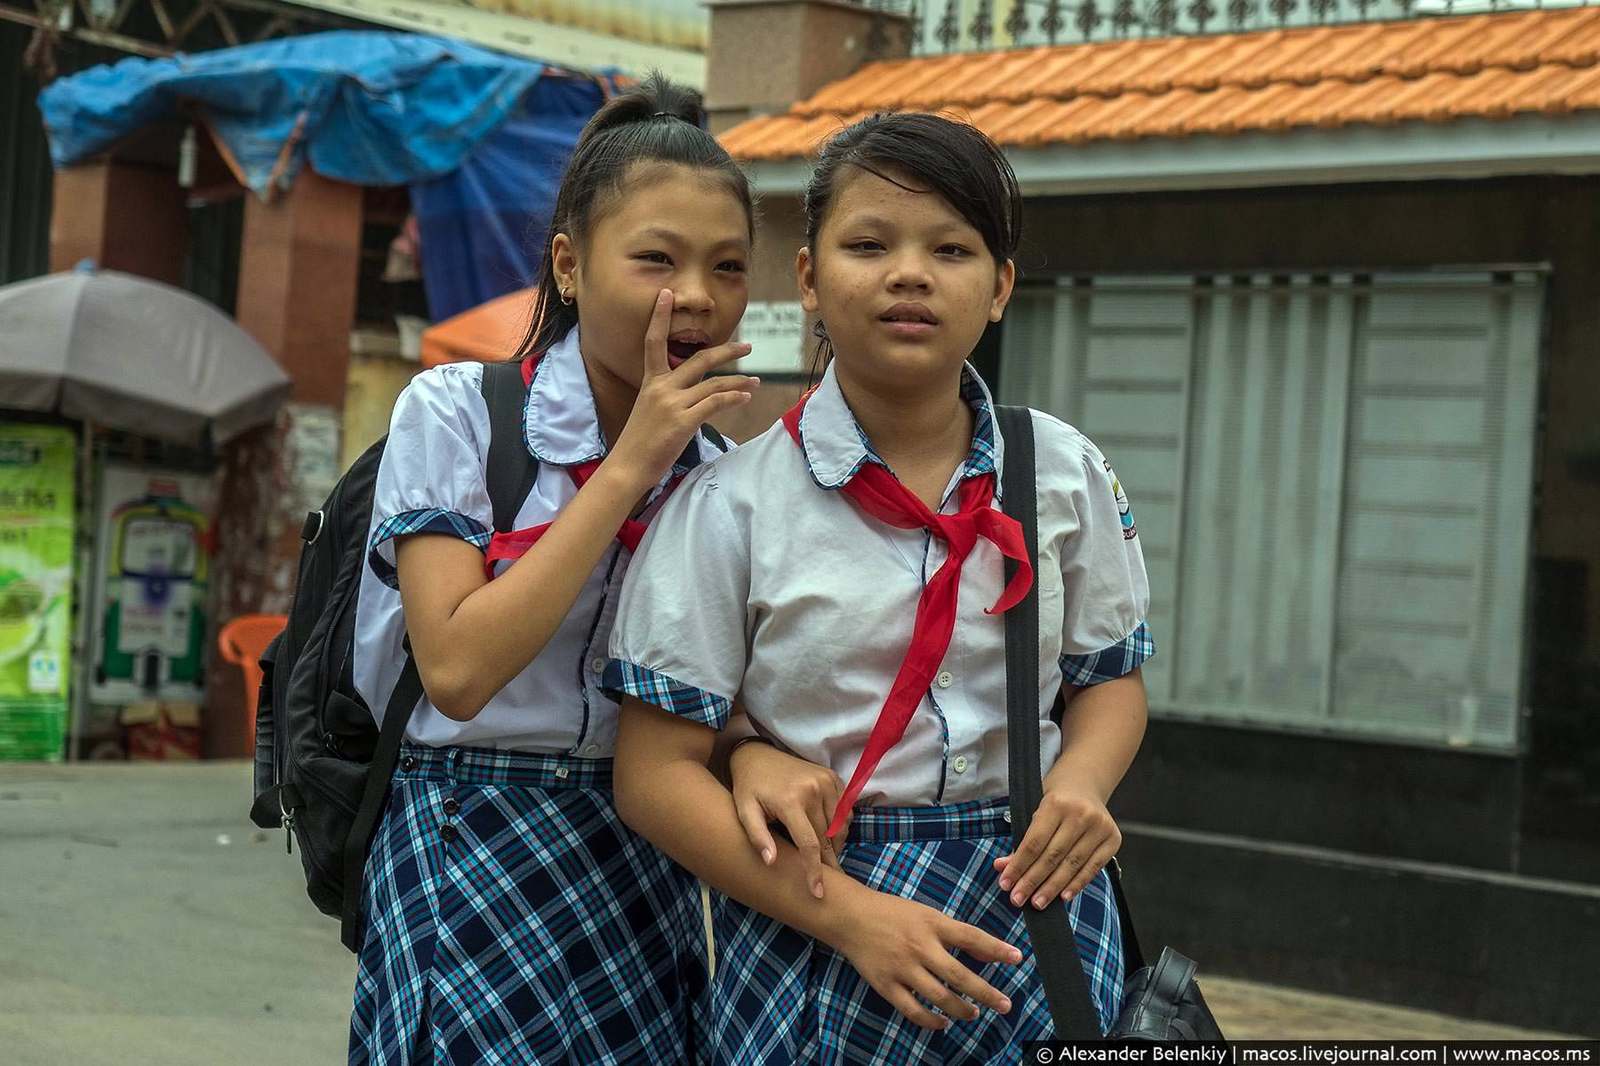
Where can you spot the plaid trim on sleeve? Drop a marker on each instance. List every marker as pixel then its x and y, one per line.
pixel 429 520
pixel 624 678
pixel 1108 664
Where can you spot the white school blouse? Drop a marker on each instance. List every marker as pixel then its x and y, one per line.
pixel 760 580
pixel 431 479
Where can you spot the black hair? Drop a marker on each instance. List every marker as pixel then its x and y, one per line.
pixel 923 153
pixel 656 121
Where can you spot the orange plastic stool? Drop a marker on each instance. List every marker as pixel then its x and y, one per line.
pixel 241 642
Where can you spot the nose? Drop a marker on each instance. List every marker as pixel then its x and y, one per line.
pixel 690 293
pixel 909 272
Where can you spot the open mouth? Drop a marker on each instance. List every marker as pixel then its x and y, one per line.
pixel 679 349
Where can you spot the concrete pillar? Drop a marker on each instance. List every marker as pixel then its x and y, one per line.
pixel 764 55
pixel 298 273
pixel 124 216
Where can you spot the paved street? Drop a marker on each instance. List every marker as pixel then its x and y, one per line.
pixel 144 920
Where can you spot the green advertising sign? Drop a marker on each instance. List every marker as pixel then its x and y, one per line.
pixel 36 523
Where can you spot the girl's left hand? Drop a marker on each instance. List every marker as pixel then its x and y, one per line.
pixel 769 786
pixel 1071 837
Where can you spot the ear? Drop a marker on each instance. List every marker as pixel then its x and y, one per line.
pixel 805 273
pixel 564 263
pixel 1004 282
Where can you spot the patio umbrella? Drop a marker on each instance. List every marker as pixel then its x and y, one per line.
pixel 488 333
pixel 133 354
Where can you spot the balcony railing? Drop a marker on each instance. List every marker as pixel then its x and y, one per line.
pixel 940 26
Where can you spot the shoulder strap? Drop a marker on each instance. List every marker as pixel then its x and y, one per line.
pixel 714 437
pixel 1054 950
pixel 509 474
pixel 510 469
pixel 403 700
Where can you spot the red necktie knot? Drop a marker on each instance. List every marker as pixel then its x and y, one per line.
pixel 880 494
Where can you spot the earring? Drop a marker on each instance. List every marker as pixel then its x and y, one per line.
pixel 566 297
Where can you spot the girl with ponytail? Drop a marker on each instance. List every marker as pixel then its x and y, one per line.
pixel 510 916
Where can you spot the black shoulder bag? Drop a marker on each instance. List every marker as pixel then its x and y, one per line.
pixel 1160 1002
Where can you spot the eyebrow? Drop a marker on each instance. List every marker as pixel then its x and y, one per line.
pixel 661 233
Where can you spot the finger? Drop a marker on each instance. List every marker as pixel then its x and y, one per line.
pixel 1070 869
pixel 934 991
pixel 810 848
pixel 712 406
pixel 1040 831
pixel 843 835
pixel 754 820
pixel 977 943
pixel 706 360
pixel 903 1001
pixel 820 811
pixel 655 336
pixel 1061 849
pixel 712 386
pixel 963 980
pixel 1090 870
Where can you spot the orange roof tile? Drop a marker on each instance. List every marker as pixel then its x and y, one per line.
pixel 1375 73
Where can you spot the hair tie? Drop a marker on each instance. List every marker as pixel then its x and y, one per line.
pixel 665 114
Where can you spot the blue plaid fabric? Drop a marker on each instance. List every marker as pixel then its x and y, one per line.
pixel 513 918
pixel 980 458
pixel 624 678
pixel 1108 664
pixel 430 520
pixel 779 996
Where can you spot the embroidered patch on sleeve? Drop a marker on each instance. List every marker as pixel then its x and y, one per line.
pixel 1124 509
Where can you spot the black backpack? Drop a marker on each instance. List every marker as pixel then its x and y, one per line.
pixel 322 767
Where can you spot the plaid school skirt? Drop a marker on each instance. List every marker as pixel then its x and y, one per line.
pixel 780 997
pixel 513 918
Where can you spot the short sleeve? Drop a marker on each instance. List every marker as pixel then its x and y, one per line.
pixel 431 478
pixel 1105 634
pixel 680 640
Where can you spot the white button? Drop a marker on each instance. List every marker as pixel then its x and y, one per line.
pixel 960 764
pixel 597 664
pixel 944 680
pixel 592 749
pixel 1007 817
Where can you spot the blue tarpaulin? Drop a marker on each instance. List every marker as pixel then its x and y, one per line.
pixel 367 108
pixel 483 226
pixel 480 137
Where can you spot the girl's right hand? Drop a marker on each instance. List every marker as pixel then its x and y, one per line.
pixel 674 403
pixel 902 949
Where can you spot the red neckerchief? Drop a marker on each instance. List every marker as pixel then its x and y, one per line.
pixel 882 495
pixel 515 544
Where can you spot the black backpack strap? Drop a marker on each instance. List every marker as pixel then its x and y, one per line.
pixel 403 701
pixel 711 434
pixel 508 474
pixel 510 469
pixel 1055 952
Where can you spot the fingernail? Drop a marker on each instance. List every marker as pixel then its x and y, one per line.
pixel 1039 901
pixel 1066 894
pixel 816 889
pixel 767 856
pixel 1005 1006
pixel 755 380
pixel 1005 884
pixel 1017 898
pixel 1016 956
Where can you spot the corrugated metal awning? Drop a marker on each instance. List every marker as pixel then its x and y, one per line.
pixel 569 46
